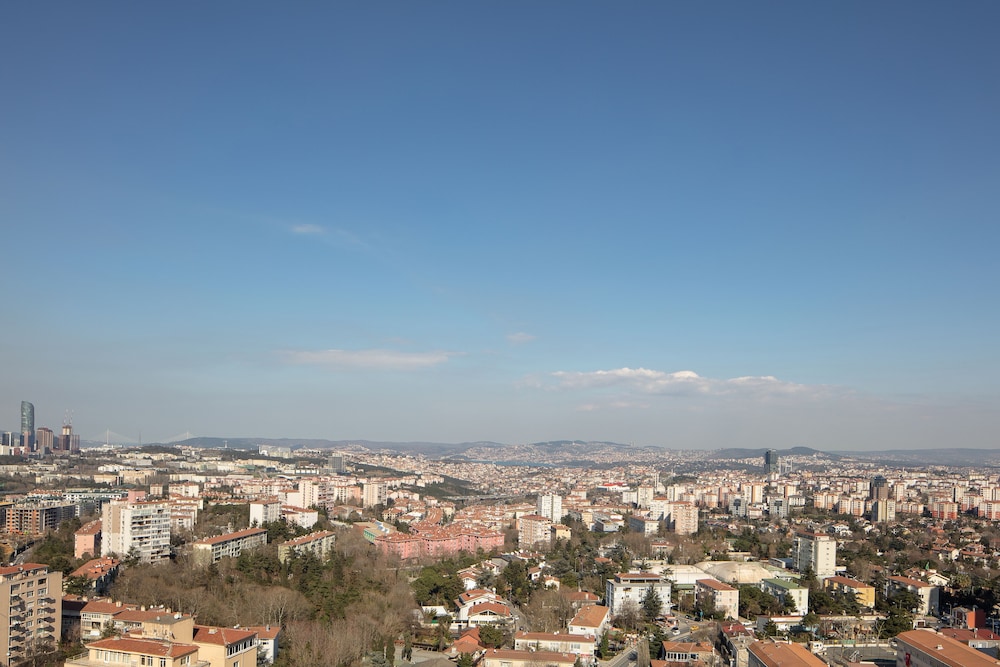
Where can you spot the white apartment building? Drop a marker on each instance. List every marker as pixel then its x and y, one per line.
pixel 634 586
pixel 265 511
pixel 816 552
pixel 142 526
pixel 550 506
pixel 373 493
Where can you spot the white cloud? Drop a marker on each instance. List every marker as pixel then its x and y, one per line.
pixel 376 359
pixel 644 381
pixel 519 338
pixel 308 229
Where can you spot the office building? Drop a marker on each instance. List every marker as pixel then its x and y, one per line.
pixel 816 552
pixel 337 463
pixel 878 489
pixel 142 528
pixel 27 426
pixel 550 506
pixel 69 442
pixel 772 464
pixel 30 610
pixel 45 440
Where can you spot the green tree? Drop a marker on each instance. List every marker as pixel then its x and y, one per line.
pixel 407 648
pixel 390 652
pixel 604 647
pixel 491 636
pixel 465 660
pixel 652 605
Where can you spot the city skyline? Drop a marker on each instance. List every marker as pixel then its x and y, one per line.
pixel 671 225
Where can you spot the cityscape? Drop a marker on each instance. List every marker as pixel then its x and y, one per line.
pixel 481 334
pixel 591 553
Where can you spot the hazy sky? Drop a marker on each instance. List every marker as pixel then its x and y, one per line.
pixel 678 224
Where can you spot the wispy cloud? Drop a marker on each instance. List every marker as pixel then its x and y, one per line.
pixel 308 229
pixel 373 359
pixel 644 381
pixel 519 338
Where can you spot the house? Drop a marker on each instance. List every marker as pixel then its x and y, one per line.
pixel 770 654
pixel 99 572
pixel 226 647
pixel 723 598
pixel 579 645
pixel 927 593
pixel 593 620
pixel 863 593
pixel 268 641
pixel 508 658
pixel 688 653
pixel 128 651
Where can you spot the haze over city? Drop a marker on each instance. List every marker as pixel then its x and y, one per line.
pixel 676 225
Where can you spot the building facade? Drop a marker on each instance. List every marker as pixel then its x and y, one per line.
pixel 816 552
pixel 142 528
pixel 30 610
pixel 633 587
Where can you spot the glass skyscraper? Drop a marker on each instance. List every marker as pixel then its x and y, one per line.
pixel 27 424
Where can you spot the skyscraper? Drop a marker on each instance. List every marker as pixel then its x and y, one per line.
pixel 27 426
pixel 771 462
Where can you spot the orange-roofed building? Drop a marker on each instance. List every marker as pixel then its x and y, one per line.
pixel 128 652
pixel 226 647
pixel 87 540
pixel 100 572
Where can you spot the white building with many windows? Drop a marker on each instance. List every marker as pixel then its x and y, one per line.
pixel 142 528
pixel 634 586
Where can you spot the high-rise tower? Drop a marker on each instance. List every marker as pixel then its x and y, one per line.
pixel 771 462
pixel 27 426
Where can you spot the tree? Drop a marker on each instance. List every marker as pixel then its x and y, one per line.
pixel 407 648
pixel 465 660
pixel 604 647
pixel 652 605
pixel 642 654
pixel 490 636
pixel 390 652
pixel 628 616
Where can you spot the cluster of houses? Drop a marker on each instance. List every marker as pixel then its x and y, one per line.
pixel 118 633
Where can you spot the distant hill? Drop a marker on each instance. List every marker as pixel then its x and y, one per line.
pixel 743 453
pixel 960 456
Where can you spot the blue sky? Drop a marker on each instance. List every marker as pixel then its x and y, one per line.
pixel 677 224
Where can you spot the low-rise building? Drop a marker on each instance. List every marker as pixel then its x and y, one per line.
pixel 213 549
pixel 318 544
pixel 863 593
pixel 579 645
pixel 924 648
pixel 634 586
pixel 770 654
pixel 789 593
pixel 715 595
